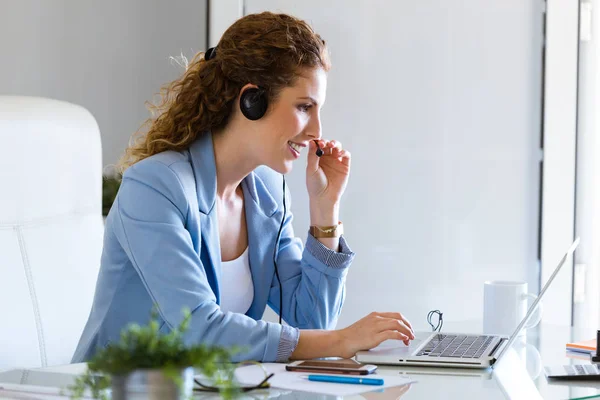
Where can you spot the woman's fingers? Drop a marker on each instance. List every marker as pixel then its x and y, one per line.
pixel 396 325
pixel 335 145
pixel 390 335
pixel 331 147
pixel 375 328
pixel 396 315
pixel 345 158
pixel 312 160
pixel 335 149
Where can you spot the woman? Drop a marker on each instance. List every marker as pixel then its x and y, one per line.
pixel 200 220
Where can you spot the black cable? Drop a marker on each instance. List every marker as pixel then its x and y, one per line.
pixel 440 321
pixel 275 252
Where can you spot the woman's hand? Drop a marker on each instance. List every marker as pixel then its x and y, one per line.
pixel 364 334
pixel 373 329
pixel 327 176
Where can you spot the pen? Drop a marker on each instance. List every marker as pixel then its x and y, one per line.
pixel 345 379
pixel 586 397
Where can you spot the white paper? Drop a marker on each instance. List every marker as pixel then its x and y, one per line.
pixel 29 392
pixel 297 381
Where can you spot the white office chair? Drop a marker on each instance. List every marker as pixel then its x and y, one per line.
pixel 50 228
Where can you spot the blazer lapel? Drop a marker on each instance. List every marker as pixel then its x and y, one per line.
pixel 260 208
pixel 205 172
pixel 210 239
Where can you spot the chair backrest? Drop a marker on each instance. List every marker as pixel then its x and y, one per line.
pixel 51 228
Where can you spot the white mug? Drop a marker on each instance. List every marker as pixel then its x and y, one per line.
pixel 505 305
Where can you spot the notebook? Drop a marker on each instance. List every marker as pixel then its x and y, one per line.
pixel 585 346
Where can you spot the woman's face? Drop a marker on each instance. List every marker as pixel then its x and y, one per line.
pixel 293 120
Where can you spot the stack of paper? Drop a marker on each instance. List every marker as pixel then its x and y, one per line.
pixel 585 346
pixel 31 392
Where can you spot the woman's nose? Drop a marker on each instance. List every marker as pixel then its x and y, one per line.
pixel 314 128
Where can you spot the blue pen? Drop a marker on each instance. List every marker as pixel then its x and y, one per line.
pixel 345 379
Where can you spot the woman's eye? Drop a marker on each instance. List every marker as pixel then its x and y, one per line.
pixel 304 107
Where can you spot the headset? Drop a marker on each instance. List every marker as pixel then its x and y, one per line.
pixel 253 101
pixel 253 105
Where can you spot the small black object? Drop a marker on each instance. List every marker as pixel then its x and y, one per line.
pixel 440 321
pixel 210 53
pixel 264 384
pixel 596 358
pixel 319 151
pixel 253 103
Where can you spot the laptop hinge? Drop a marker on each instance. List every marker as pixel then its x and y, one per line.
pixel 502 340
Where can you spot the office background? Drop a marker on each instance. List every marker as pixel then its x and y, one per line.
pixel 443 105
pixel 444 187
pixel 110 56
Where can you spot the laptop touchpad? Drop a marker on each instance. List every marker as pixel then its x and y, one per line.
pixel 398 347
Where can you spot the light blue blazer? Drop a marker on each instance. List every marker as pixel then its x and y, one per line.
pixel 161 247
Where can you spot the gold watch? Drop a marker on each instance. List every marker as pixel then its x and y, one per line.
pixel 327 231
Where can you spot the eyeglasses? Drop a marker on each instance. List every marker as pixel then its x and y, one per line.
pixel 212 385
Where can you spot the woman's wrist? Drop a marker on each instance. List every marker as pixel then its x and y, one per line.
pixel 338 343
pixel 324 214
pixel 318 343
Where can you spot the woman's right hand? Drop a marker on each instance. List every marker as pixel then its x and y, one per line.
pixel 373 329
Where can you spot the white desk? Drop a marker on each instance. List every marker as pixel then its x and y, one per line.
pixel 518 376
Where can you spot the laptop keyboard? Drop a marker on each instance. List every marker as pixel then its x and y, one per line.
pixel 458 346
pixel 585 369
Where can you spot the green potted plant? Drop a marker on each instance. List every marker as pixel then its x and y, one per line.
pixel 110 187
pixel 145 364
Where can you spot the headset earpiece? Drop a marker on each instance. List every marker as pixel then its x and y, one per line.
pixel 253 103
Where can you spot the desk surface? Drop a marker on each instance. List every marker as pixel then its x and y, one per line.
pixel 518 375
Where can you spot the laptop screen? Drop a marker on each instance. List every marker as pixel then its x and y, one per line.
pixel 535 303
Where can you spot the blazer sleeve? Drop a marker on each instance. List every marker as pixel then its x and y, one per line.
pixel 313 279
pixel 152 209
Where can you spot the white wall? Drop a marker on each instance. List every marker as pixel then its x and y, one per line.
pixel 109 56
pixel 440 104
pixel 222 13
pixel 588 174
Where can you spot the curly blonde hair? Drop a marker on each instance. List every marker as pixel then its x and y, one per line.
pixel 266 49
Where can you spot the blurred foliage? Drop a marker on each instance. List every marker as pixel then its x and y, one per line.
pixel 146 348
pixel 110 187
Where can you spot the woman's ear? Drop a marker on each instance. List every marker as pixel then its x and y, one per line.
pixel 246 87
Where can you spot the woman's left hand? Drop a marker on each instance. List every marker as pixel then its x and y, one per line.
pixel 327 176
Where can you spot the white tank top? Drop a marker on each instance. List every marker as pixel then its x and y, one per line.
pixel 237 288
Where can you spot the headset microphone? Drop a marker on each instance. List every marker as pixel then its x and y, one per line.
pixel 319 151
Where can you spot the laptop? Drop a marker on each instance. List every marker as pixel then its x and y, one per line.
pixel 437 349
